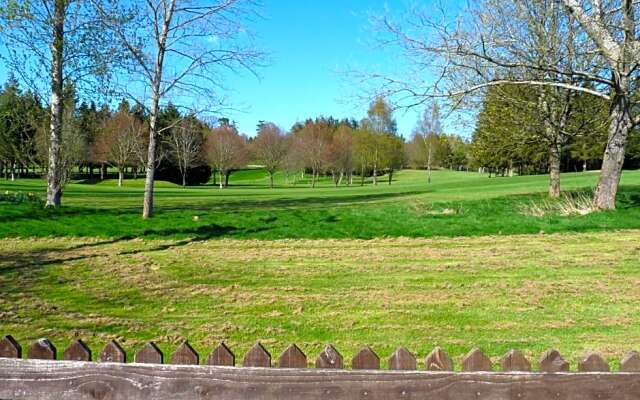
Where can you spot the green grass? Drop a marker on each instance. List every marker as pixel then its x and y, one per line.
pixel 250 210
pixel 574 292
pixel 456 264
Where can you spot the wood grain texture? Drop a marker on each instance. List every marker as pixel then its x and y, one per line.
pixel 149 354
pixel 185 355
pixel 366 359
pixel 71 380
pixel 552 361
pixel 514 360
pixel 42 349
pixel 402 360
pixel 475 360
pixel 329 358
pixel 112 352
pixel 10 348
pixel 292 357
pixel 257 357
pixel 77 351
pixel 438 360
pixel 222 356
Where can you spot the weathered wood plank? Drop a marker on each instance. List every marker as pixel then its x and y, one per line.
pixel 402 360
pixel 438 360
pixel 44 380
pixel 292 357
pixel 77 351
pixel 552 361
pixel 185 355
pixel 42 349
pixel 514 360
pixel 9 348
pixel 475 360
pixel 593 362
pixel 222 356
pixel 258 357
pixel 366 358
pixel 329 358
pixel 149 354
pixel 630 362
pixel 112 352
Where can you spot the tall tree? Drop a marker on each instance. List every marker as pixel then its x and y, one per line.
pixel 270 148
pixel 225 151
pixel 179 46
pixel 491 45
pixel 185 145
pixel 61 38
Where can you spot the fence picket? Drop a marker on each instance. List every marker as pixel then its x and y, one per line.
pixel 149 354
pixel 77 351
pixel 292 357
pixel 42 349
pixel 630 362
pixel 258 356
pixel 329 358
pixel 9 348
pixel 593 362
pixel 438 360
pixel 552 361
pixel 113 353
pixel 475 360
pixel 222 356
pixel 402 360
pixel 514 360
pixel 185 355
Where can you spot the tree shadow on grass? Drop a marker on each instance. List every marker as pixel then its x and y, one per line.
pixel 31 261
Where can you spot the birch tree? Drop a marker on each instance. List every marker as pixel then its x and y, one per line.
pixel 493 43
pixel 51 43
pixel 179 48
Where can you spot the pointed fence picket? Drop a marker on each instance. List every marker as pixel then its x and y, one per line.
pixel 40 376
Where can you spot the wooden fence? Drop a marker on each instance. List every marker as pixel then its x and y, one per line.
pixel 41 376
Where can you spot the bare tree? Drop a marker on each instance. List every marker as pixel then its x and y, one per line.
pixel 119 141
pixel 270 148
pixel 492 44
pixel 179 47
pixel 57 42
pixel 185 145
pixel 310 147
pixel 225 151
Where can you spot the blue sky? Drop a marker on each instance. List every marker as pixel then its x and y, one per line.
pixel 311 44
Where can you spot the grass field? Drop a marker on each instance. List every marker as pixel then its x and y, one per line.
pixel 456 204
pixel 290 265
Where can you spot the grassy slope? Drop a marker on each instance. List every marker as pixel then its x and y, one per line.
pixel 249 210
pixel 533 292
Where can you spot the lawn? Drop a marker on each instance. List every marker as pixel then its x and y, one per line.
pixel 574 292
pixel 456 264
pixel 456 204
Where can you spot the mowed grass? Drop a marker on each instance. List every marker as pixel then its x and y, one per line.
pixel 456 264
pixel 456 204
pixel 573 292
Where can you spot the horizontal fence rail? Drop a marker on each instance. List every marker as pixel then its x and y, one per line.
pixel 40 376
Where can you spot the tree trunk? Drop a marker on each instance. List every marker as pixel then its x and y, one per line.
pixel 184 179
pixel 226 178
pixel 54 175
pixel 221 179
pixel 13 172
pixel 554 171
pixel 584 166
pixel 313 179
pixel 271 180
pixel 215 175
pixel 120 176
pixel 613 160
pixel 375 175
pixel 390 176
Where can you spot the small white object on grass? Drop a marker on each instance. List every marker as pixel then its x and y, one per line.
pixel 196 218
